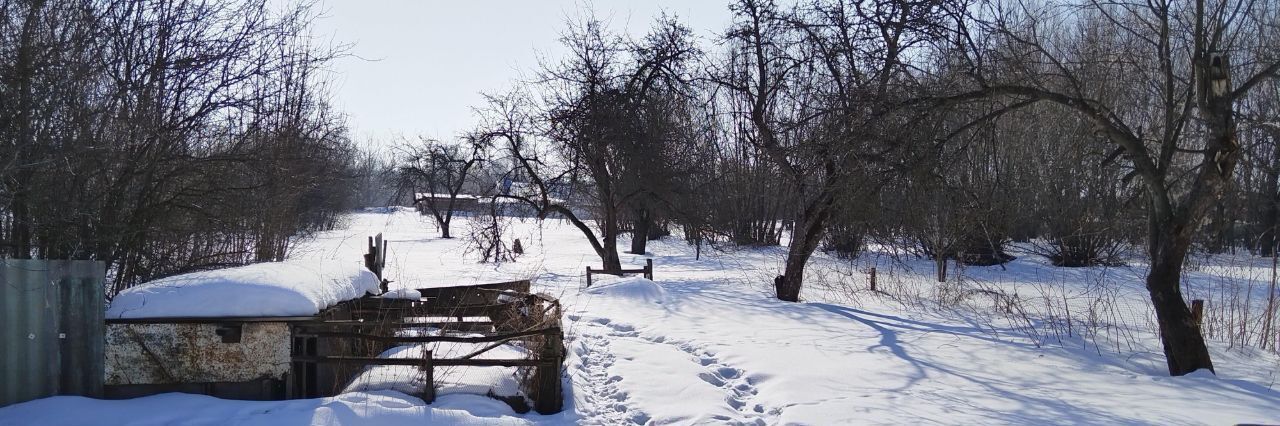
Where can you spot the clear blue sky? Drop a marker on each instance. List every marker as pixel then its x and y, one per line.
pixel 417 67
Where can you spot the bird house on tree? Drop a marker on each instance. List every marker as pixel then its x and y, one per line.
pixel 1213 80
pixel 1219 75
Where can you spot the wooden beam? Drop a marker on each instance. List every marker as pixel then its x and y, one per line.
pixel 398 324
pixel 429 339
pixel 359 360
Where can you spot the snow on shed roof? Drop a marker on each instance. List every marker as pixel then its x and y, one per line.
pixel 301 287
pixel 442 195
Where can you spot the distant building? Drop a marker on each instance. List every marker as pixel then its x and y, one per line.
pixel 425 201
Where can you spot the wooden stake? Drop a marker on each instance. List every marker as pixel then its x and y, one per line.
pixel 549 396
pixel 1268 327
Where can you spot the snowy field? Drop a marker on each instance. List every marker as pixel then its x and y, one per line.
pixel 706 343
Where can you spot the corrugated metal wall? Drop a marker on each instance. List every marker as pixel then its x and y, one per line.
pixel 51 328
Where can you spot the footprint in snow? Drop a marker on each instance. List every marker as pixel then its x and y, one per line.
pixel 609 404
pixel 739 389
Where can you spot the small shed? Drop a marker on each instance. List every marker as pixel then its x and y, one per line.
pixel 424 202
pixel 306 329
pixel 228 333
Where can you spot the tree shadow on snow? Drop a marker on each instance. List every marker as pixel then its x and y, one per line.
pixel 1033 409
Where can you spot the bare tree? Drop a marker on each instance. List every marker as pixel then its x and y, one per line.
pixel 604 127
pixel 164 136
pixel 440 169
pixel 1184 148
pixel 813 83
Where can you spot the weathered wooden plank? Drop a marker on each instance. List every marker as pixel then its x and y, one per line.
pixel 547 394
pixel 430 339
pixel 399 324
pixel 424 361
pixel 617 271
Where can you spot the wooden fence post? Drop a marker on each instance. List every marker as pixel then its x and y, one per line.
pixel 429 379
pixel 588 276
pixel 368 256
pixel 375 258
pixel 648 268
pixel 1268 325
pixel 546 377
pixel 872 275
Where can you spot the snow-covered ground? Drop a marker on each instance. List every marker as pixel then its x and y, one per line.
pixel 706 343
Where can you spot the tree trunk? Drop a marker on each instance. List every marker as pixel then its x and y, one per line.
pixel 22 228
pixel 792 278
pixel 805 236
pixel 1184 346
pixel 609 241
pixel 609 256
pixel 1171 227
pixel 640 233
pixel 20 237
pixel 442 221
pixel 658 229
pixel 940 266
pixel 1271 215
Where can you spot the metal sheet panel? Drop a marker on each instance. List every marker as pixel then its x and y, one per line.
pixel 51 319
pixel 81 294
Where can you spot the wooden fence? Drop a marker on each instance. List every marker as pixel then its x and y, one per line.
pixel 647 271
pixel 502 313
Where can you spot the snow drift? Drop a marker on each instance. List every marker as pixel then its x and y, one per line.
pixel 290 288
pixel 630 288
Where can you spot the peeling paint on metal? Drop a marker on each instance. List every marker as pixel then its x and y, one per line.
pixel 159 353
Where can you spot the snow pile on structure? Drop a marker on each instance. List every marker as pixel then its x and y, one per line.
pixel 629 288
pixel 291 288
pixel 402 293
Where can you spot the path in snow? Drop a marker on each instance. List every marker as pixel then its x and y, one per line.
pixel 601 390
pixel 707 343
pixel 739 391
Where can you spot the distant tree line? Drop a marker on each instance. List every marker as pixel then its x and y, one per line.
pixel 163 136
pixel 948 129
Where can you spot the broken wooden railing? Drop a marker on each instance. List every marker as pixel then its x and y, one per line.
pixel 646 271
pixel 502 313
pixel 375 259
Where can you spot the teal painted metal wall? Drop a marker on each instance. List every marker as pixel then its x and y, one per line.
pixel 51 328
